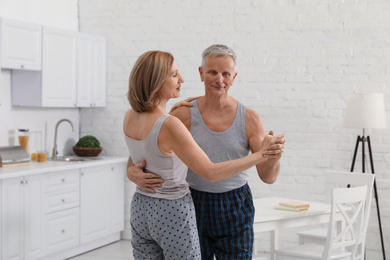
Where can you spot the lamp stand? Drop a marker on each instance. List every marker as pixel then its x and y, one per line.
pixel 363 139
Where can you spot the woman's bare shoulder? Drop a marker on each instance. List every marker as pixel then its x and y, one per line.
pixel 173 121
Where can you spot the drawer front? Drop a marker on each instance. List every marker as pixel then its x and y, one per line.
pixel 60 201
pixel 62 181
pixel 62 230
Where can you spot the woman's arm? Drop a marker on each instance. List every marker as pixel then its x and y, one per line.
pixel 184 146
pixel 185 102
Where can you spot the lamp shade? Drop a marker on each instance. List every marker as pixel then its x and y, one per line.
pixel 365 110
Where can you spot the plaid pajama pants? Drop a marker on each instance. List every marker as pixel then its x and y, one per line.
pixel 225 223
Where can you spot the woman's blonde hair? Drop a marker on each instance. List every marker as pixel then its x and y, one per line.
pixel 147 78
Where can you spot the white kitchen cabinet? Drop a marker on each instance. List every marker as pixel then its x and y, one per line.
pixel 21 217
pixel 52 67
pixel 102 196
pixel 56 84
pixel 59 81
pixel 117 197
pixel 61 208
pixel 91 71
pixel 62 190
pixel 1 244
pixel 62 230
pixel 57 210
pixel 20 45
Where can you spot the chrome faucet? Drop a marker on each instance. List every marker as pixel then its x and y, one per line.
pixel 54 156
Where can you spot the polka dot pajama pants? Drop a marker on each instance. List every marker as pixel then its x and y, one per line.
pixel 164 229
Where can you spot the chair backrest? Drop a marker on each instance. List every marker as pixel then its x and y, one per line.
pixel 350 203
pixel 349 179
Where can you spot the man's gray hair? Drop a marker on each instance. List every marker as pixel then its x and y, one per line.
pixel 217 50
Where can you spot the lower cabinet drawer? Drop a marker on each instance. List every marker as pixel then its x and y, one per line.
pixel 61 201
pixel 62 181
pixel 62 230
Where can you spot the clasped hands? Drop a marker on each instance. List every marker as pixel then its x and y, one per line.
pixel 273 146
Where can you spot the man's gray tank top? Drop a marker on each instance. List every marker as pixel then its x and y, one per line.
pixel 170 168
pixel 219 147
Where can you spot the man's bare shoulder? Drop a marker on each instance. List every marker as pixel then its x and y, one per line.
pixel 251 115
pixel 253 123
pixel 184 114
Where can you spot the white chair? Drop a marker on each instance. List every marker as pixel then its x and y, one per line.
pixel 344 243
pixel 340 179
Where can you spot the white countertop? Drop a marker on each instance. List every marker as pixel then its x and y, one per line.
pixel 55 166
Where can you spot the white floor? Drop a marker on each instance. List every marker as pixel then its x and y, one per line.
pixel 117 251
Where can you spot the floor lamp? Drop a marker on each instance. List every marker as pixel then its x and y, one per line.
pixel 366 111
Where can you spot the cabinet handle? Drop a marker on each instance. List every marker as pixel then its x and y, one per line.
pixel 63 200
pixel 22 66
pixel 63 231
pixel 22 182
pixel 112 168
pixel 63 180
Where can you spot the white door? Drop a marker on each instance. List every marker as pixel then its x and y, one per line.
pixel 91 78
pixel 59 68
pixel 118 174
pixel 33 215
pixel 95 203
pixel 21 45
pixel 22 218
pixel 84 71
pixel 1 252
pixel 12 219
pixel 62 230
pixel 99 72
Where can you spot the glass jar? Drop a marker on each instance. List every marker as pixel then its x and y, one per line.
pixel 23 135
pixel 35 144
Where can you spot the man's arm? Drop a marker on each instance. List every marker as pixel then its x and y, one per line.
pixel 268 171
pixel 144 180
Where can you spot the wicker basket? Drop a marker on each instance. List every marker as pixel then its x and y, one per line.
pixel 84 151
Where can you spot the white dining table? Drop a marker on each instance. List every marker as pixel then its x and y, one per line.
pixel 268 219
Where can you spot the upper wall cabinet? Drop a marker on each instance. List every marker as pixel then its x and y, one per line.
pixel 52 67
pixel 56 84
pixel 91 68
pixel 59 82
pixel 20 45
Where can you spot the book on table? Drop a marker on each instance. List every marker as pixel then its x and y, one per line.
pixel 292 206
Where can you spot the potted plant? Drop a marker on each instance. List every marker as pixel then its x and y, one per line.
pixel 87 146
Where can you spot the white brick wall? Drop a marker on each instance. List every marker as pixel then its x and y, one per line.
pixel 298 61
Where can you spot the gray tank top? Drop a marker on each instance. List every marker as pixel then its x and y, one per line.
pixel 170 168
pixel 219 147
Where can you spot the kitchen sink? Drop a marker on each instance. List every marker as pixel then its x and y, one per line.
pixel 76 159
